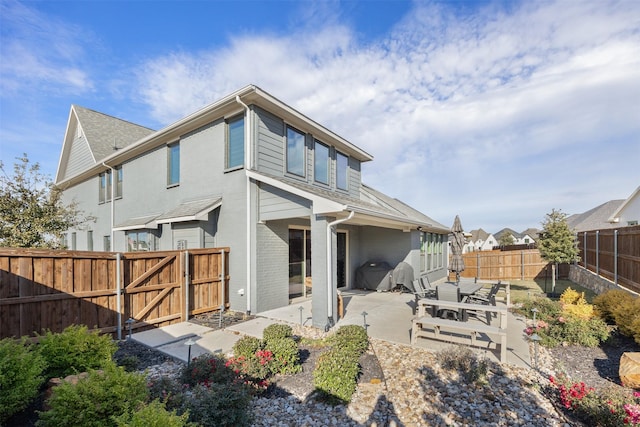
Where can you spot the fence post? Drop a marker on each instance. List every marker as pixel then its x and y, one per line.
pixel 598 252
pixel 478 266
pixel 186 284
pixel 584 251
pixel 615 257
pixel 222 281
pixel 521 265
pixel 119 296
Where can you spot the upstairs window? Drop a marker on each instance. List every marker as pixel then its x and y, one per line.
pixel 173 164
pixel 104 185
pixel 342 171
pixel 321 163
pixel 295 152
pixel 235 142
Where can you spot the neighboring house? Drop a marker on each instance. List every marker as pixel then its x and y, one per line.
pixel 480 240
pixel 628 213
pixel 596 218
pixel 516 236
pixel 250 173
pixel 529 236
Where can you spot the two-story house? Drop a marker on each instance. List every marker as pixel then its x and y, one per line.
pixel 250 173
pixel 480 240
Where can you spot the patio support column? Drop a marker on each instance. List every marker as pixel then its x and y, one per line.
pixel 321 318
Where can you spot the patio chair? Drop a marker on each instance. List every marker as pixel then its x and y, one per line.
pixel 448 292
pixel 488 298
pixel 421 292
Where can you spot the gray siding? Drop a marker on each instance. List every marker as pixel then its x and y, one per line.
pixel 270 149
pixel 271 155
pixel 355 178
pixel 189 232
pixel 80 157
pixel 278 204
pixel 272 241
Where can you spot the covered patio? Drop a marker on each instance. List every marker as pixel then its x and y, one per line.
pixel 388 317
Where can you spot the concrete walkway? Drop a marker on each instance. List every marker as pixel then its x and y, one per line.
pixel 388 317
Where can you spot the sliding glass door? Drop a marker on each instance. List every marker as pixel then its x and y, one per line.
pixel 299 263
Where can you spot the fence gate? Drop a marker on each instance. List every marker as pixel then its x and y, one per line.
pixel 152 284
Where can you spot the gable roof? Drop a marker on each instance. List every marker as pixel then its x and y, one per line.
pixel 505 230
pixel 531 232
pixel 479 234
pixel 615 217
pixel 101 135
pixel 596 218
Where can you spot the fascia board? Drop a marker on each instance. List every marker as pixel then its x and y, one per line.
pixel 177 219
pixel 615 217
pixel 391 218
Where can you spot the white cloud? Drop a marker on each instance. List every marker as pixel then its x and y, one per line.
pixel 42 55
pixel 447 102
pixel 520 110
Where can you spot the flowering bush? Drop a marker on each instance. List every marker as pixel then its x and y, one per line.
pixel 568 321
pixel 571 396
pixel 256 368
pixel 613 406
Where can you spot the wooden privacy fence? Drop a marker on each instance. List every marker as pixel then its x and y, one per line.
pixel 50 290
pixel 613 253
pixel 507 265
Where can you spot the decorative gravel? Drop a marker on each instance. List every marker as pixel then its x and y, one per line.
pixel 414 391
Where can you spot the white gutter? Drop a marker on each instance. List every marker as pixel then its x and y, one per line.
pixel 247 162
pixel 330 268
pixel 113 203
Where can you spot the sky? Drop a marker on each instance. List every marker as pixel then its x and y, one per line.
pixel 496 111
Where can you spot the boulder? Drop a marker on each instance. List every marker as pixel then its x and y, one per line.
pixel 629 370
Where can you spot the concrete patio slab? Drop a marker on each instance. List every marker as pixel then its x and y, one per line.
pixel 388 317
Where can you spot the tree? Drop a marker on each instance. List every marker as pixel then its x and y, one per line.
pixel 557 243
pixel 32 214
pixel 506 239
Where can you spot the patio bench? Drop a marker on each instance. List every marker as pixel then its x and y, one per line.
pixel 462 332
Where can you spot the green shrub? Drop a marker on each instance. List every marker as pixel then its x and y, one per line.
pixel 276 331
pixel 336 374
pixel 606 302
pixel 75 350
pixel 95 400
pixel 21 371
pixel 352 338
pixel 168 390
pixel 219 405
pixel 548 310
pixel 621 308
pixel 286 356
pixel 572 331
pixel 247 346
pixel 207 368
pixel 152 415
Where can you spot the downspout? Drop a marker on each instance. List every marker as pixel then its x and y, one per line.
pixel 113 203
pixel 248 165
pixel 330 321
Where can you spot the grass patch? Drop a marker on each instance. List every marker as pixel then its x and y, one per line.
pixel 523 289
